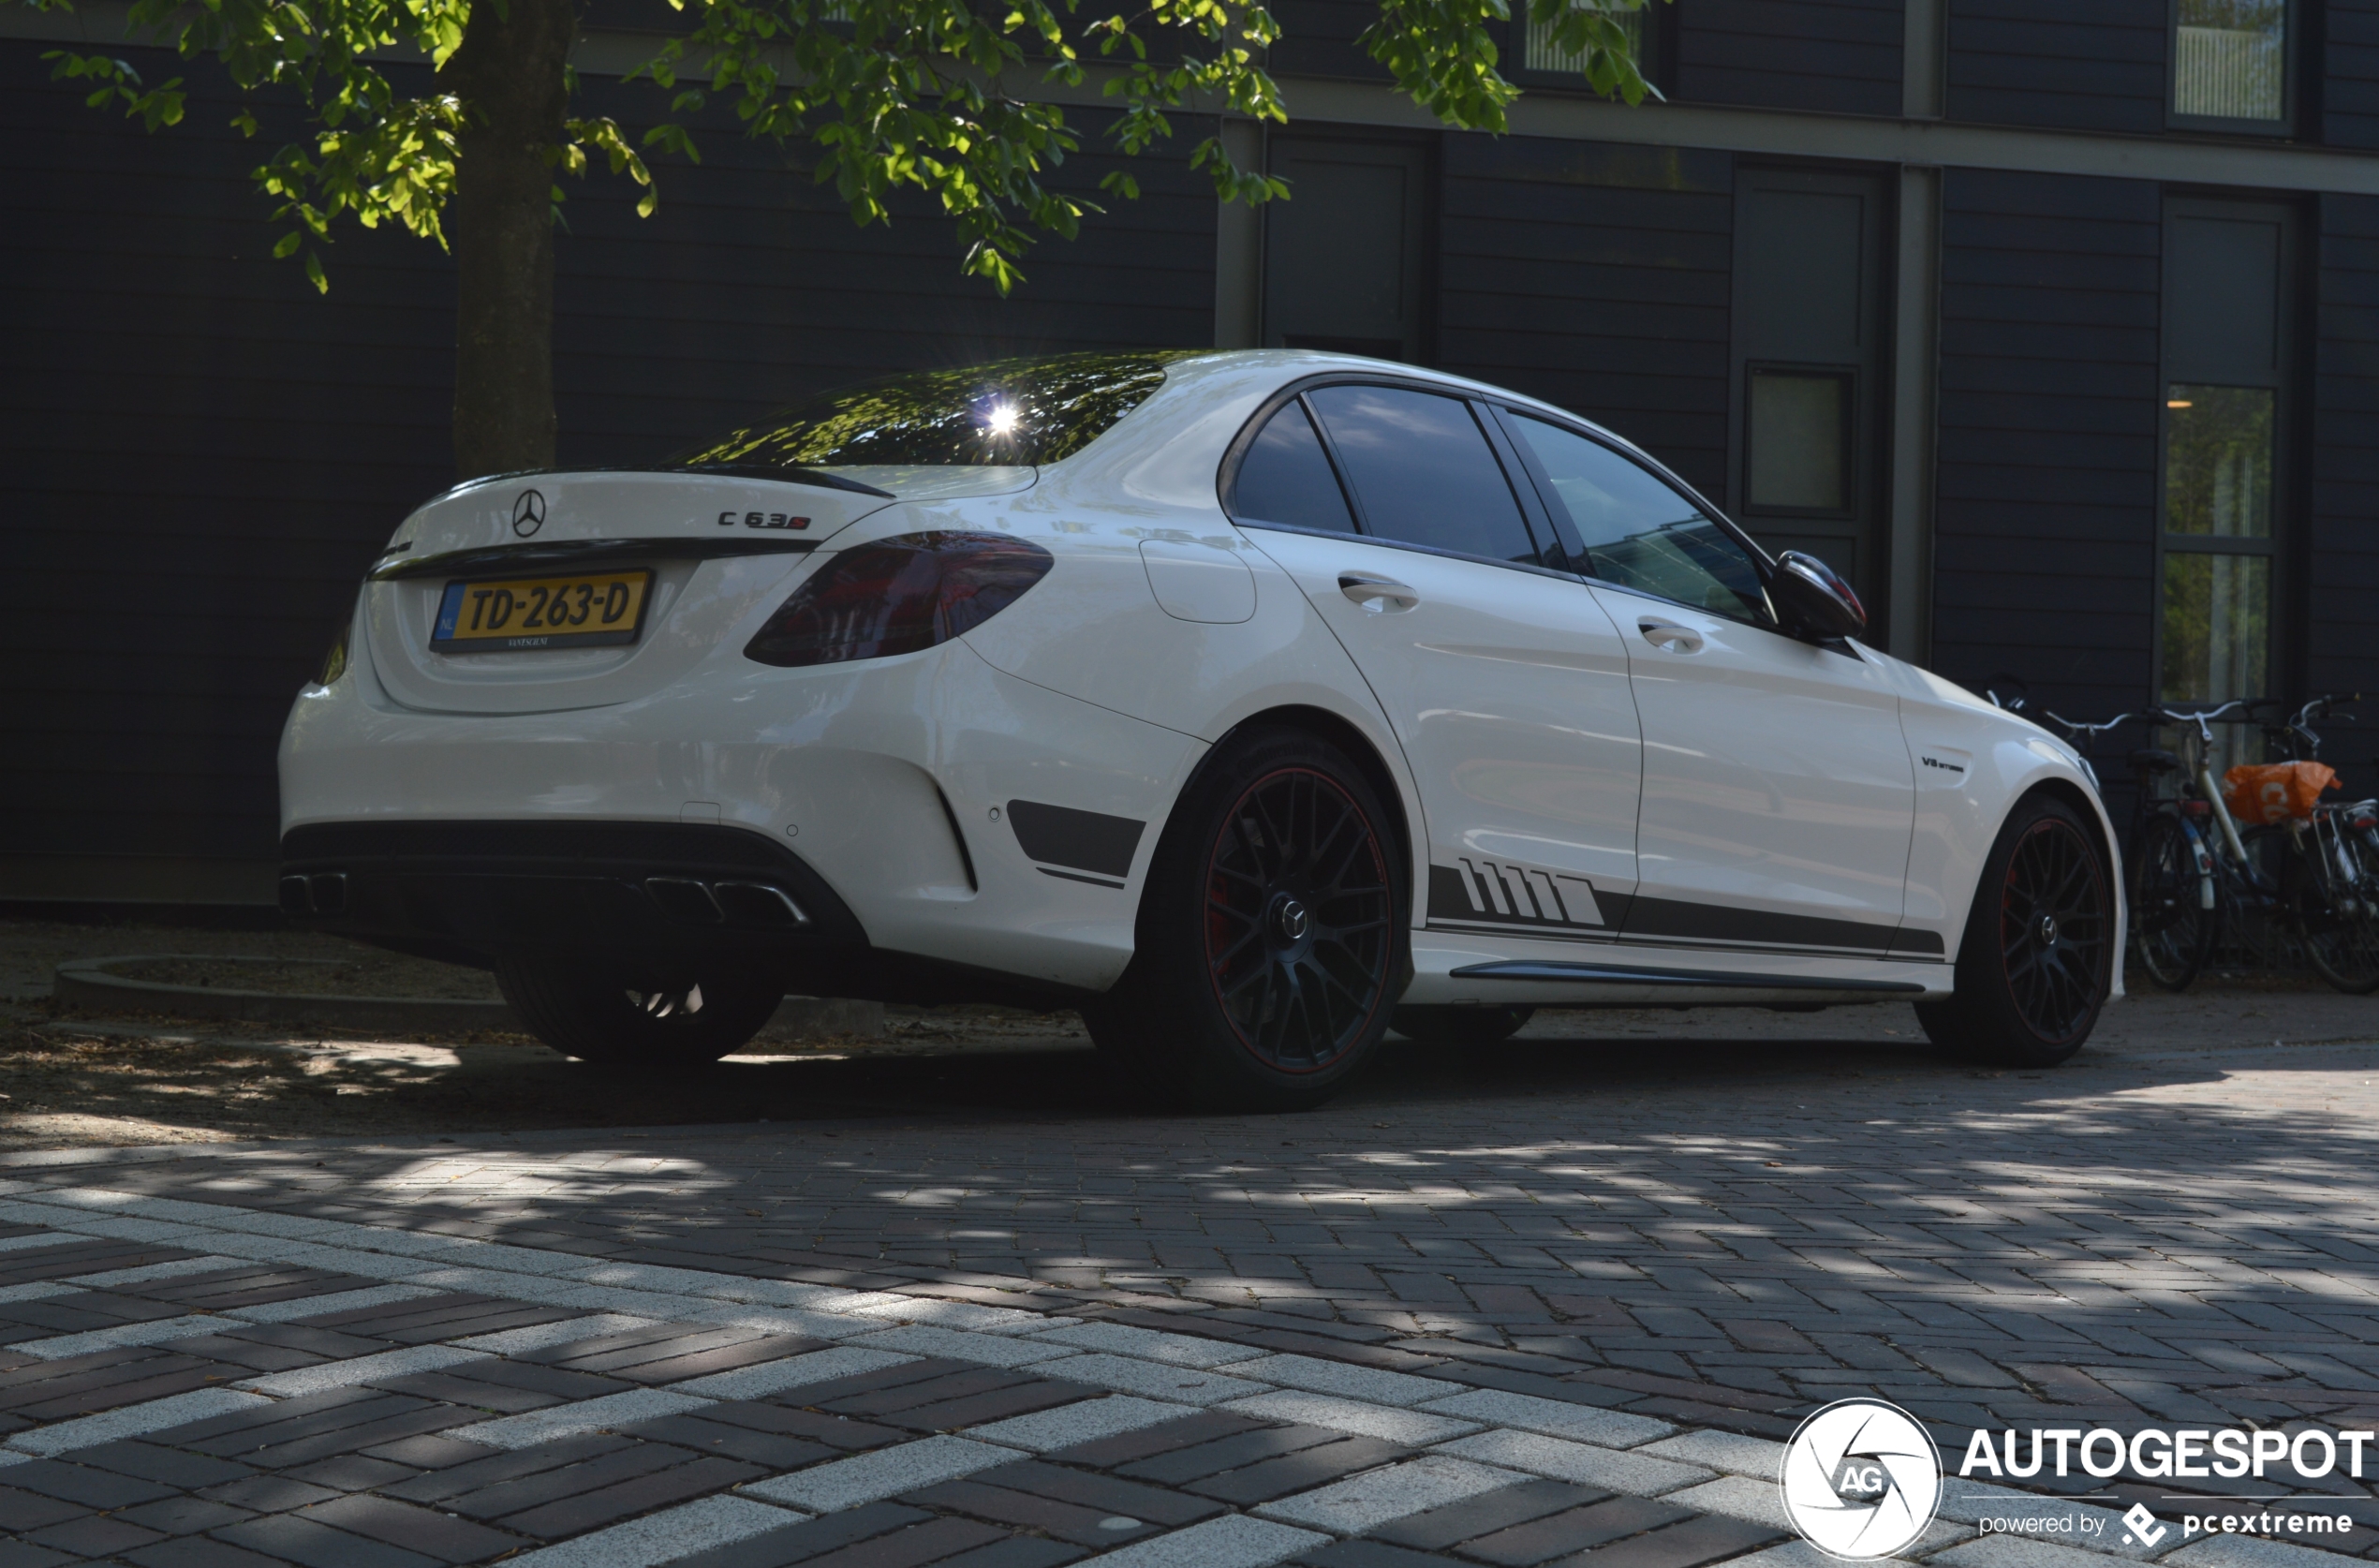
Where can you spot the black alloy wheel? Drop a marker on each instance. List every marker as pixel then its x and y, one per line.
pixel 2036 960
pixel 1298 905
pixel 2173 930
pixel 1271 942
pixel 2054 923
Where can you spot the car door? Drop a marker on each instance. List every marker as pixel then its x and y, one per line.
pixel 1506 683
pixel 1778 799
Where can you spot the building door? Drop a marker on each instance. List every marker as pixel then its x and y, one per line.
pixel 1810 404
pixel 1344 257
pixel 2222 480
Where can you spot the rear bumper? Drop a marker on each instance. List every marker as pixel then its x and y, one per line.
pixel 474 890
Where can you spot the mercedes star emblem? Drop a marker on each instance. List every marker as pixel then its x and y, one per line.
pixel 528 513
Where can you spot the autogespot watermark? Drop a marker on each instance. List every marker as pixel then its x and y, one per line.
pixel 1862 1479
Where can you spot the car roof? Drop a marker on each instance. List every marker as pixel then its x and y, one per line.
pixel 1271 368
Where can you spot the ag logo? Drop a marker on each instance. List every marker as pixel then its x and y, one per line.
pixel 528 513
pixel 1861 1479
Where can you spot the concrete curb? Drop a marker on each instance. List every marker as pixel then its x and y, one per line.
pixel 87 983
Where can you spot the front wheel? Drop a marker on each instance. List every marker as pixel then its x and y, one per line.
pixel 643 1018
pixel 1271 936
pixel 2036 961
pixel 2175 912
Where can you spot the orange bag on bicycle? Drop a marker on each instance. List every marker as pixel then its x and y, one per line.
pixel 2258 793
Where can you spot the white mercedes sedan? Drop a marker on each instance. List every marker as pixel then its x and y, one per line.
pixel 1252 702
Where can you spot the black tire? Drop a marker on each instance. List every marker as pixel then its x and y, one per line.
pixel 2037 958
pixel 613 1014
pixel 2341 920
pixel 1271 941
pixel 2172 931
pixel 1459 1026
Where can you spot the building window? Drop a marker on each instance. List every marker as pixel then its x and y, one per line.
pixel 2217 541
pixel 1540 56
pixel 2230 61
pixel 2223 513
pixel 1797 441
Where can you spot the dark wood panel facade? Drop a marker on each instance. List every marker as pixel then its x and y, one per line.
pixel 199 444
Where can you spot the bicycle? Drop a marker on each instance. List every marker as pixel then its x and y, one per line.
pixel 2196 871
pixel 2330 883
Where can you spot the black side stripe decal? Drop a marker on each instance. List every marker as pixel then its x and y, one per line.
pixel 1674 917
pixel 1490 892
pixel 1083 840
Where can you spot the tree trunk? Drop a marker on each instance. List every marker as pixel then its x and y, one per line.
pixel 510 73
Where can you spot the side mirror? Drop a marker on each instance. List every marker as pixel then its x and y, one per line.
pixel 1813 598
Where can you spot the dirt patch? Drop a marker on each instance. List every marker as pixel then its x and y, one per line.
pixel 368 974
pixel 74 1082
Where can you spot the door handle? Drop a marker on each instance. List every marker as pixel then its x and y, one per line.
pixel 1379 594
pixel 1669 637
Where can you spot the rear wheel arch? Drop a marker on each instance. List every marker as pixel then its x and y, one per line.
pixel 1324 725
pixel 1301 898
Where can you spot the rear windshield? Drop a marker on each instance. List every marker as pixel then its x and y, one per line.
pixel 1009 412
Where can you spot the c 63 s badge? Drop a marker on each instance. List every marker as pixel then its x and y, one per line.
pixel 761 520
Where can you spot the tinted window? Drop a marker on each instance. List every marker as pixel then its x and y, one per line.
pixel 1422 472
pixel 1286 479
pixel 1014 411
pixel 1639 533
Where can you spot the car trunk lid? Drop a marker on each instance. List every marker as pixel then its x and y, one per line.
pixel 455 609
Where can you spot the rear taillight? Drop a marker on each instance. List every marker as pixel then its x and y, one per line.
pixel 898 596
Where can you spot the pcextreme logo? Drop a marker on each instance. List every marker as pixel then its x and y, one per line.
pixel 1861 1479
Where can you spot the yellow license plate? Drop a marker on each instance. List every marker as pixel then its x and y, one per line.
pixel 523 614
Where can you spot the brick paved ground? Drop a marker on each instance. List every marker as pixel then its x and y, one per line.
pixel 1711 1238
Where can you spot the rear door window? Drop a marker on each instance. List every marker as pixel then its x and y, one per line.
pixel 1638 531
pixel 1422 472
pixel 1285 477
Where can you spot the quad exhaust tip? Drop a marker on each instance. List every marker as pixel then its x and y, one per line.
pixel 324 892
pixel 700 903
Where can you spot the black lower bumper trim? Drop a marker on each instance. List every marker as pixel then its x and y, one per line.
pixel 473 890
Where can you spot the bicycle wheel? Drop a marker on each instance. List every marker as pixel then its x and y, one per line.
pixel 2173 924
pixel 2340 917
